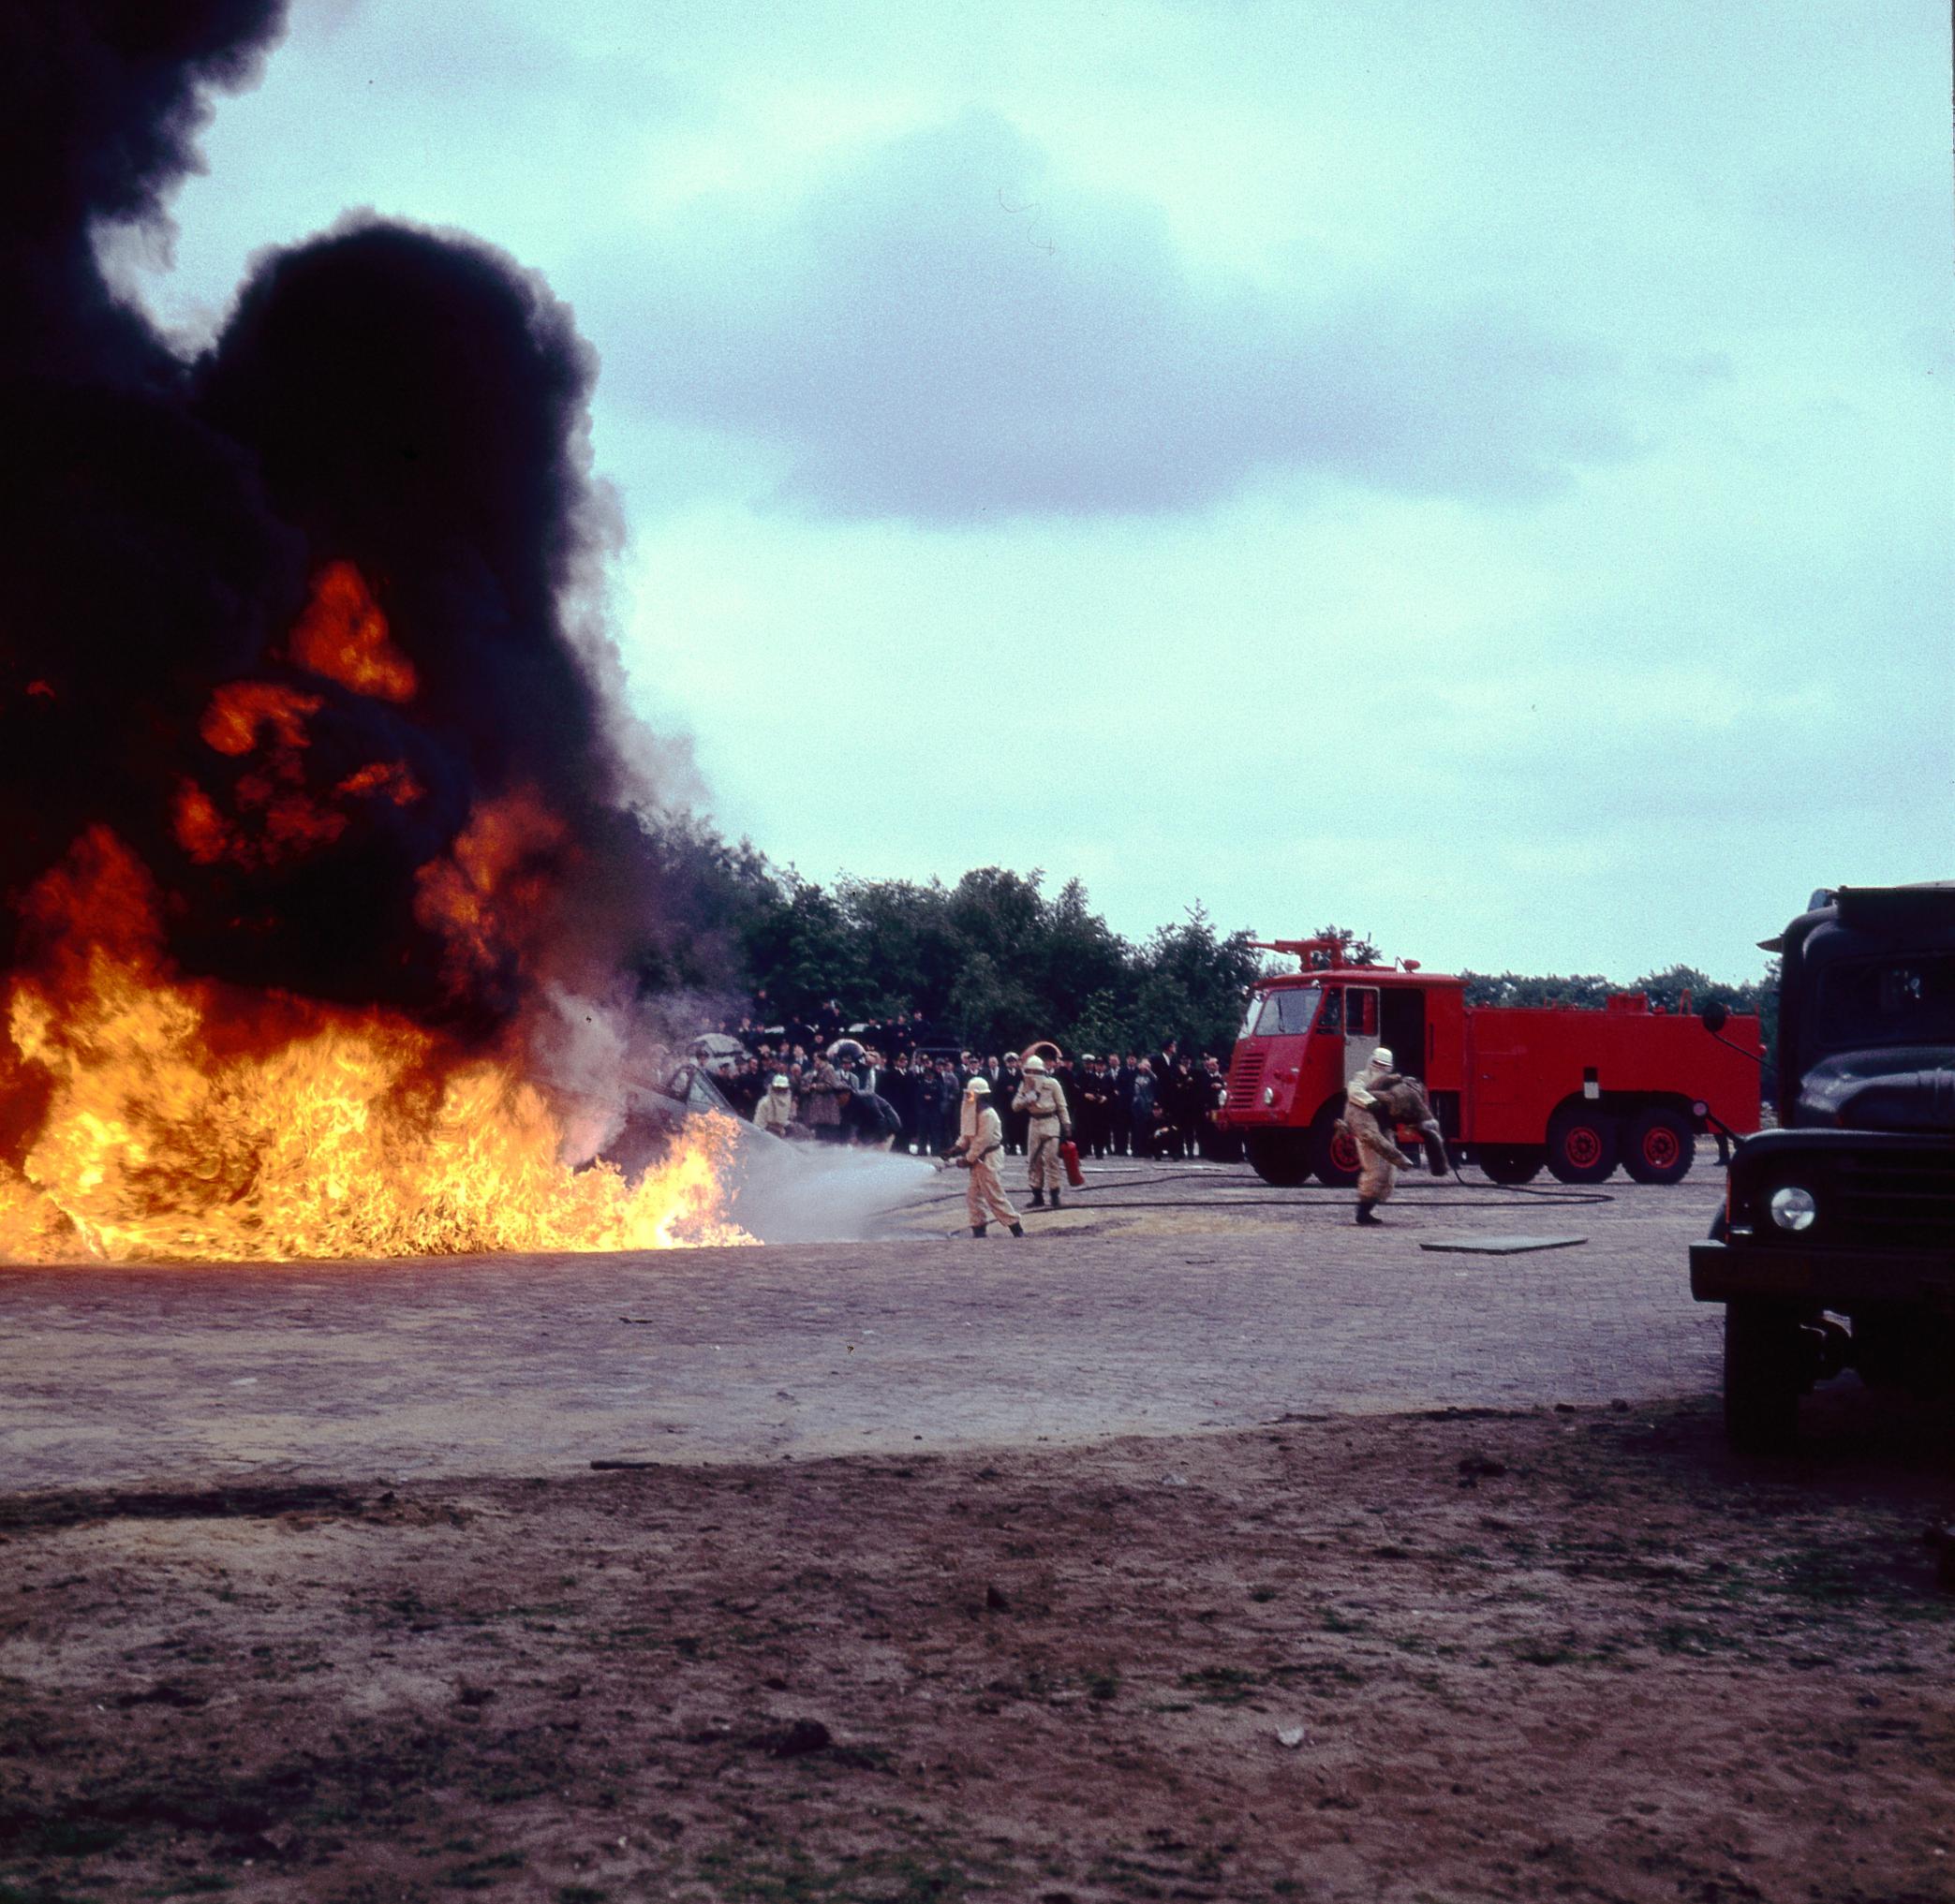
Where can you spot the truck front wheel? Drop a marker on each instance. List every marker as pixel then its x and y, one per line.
pixel 1581 1143
pixel 1333 1158
pixel 1279 1157
pixel 1766 1370
pixel 1658 1146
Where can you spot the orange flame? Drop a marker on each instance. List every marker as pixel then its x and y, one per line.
pixel 495 879
pixel 343 636
pixel 276 815
pixel 242 711
pixel 176 1123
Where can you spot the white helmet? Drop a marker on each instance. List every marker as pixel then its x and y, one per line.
pixel 1034 1062
pixel 1382 1057
pixel 977 1086
pixel 780 1080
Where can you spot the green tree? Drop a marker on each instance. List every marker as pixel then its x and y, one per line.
pixel 1192 983
pixel 800 947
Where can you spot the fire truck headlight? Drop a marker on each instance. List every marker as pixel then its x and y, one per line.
pixel 1268 1094
pixel 1793 1208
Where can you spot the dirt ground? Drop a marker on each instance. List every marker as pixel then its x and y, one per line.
pixel 1539 1653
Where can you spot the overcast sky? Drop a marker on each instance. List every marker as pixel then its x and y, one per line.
pixel 1481 473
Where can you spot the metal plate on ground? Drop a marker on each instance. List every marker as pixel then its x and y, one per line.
pixel 1499 1246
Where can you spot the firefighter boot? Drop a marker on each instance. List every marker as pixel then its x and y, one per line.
pixel 1365 1206
pixel 1055 1196
pixel 977 1228
pixel 1037 1198
pixel 1017 1229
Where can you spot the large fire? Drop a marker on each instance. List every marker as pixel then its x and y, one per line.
pixel 145 1115
pixel 169 1120
pixel 337 899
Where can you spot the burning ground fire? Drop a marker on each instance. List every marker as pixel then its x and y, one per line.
pixel 175 1122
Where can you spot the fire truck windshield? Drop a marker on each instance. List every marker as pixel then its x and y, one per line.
pixel 1866 1003
pixel 1285 1013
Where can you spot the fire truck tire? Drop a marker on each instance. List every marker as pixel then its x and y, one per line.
pixel 1765 1374
pixel 1332 1157
pixel 1658 1146
pixel 1510 1163
pixel 1581 1143
pixel 1279 1157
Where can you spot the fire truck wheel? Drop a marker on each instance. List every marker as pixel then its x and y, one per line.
pixel 1581 1143
pixel 1658 1146
pixel 1332 1157
pixel 1279 1157
pixel 1510 1163
pixel 1765 1375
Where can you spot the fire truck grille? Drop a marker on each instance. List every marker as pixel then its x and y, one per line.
pixel 1905 1196
pixel 1245 1078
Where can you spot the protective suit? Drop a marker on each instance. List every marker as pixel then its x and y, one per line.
pixel 776 1110
pixel 1368 1123
pixel 980 1143
pixel 1049 1124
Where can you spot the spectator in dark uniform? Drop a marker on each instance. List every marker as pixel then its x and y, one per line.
pixel 1015 1122
pixel 1188 1104
pixel 1095 1101
pixel 1123 1105
pixel 1219 1144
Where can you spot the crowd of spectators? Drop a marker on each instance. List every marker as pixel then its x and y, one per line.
pixel 904 1087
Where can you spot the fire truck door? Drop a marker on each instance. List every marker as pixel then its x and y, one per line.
pixel 1402 1027
pixel 1360 1027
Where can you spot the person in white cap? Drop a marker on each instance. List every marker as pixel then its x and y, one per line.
pixel 980 1139
pixel 1042 1098
pixel 1378 1160
pixel 776 1110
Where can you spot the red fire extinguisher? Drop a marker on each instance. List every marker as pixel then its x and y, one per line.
pixel 1068 1156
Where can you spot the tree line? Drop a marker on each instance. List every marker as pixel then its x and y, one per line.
pixel 996 959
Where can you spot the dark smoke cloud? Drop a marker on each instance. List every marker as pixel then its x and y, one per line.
pixel 409 402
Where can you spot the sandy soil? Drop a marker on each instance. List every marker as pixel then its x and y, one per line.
pixel 1541 1653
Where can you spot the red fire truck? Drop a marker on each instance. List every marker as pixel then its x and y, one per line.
pixel 1513 1087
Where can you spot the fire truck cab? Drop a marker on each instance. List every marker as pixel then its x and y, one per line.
pixel 1515 1089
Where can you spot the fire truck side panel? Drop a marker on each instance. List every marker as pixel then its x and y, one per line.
pixel 1527 1061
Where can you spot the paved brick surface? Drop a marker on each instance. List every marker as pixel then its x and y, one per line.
pixel 1119 1317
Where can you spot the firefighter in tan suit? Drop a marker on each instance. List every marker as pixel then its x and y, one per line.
pixel 1044 1099
pixel 980 1141
pixel 1378 1160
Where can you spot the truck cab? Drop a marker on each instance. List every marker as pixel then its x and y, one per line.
pixel 1305 1035
pixel 1836 1245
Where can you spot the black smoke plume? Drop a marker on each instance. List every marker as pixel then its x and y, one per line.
pixel 409 403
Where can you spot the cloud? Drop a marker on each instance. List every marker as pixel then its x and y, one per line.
pixel 947 332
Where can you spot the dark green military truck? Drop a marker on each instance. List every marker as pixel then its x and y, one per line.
pixel 1836 1245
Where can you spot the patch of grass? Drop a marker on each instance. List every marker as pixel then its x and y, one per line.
pixel 1221 1685
pixel 54 1835
pixel 766 1874
pixel 478 1874
pixel 1334 1672
pixel 1694 1641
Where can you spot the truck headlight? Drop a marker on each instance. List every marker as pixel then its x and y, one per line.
pixel 1268 1094
pixel 1792 1207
